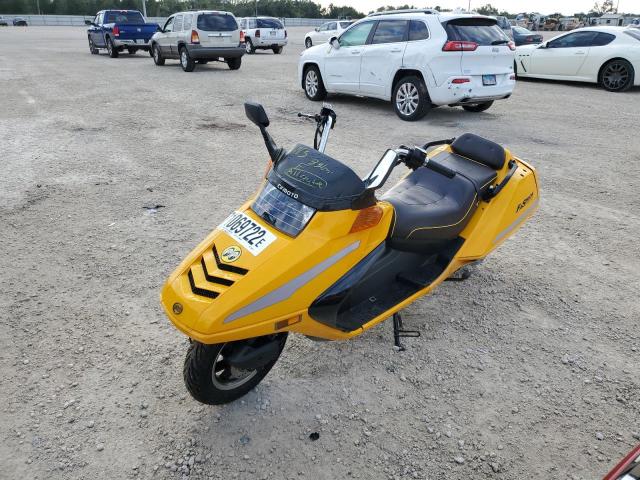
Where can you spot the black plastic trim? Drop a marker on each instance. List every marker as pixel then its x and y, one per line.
pixel 200 291
pixel 213 278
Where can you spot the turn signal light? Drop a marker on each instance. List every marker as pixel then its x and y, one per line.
pixel 457 46
pixel 195 38
pixel 367 218
pixel 287 322
pixel 266 170
pixel 116 31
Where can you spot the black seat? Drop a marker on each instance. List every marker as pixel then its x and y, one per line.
pixel 431 208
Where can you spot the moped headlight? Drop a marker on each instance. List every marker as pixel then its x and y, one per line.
pixel 282 211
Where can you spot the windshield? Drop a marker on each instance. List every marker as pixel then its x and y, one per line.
pixel 215 22
pixel 482 31
pixel 124 18
pixel 283 212
pixel 269 23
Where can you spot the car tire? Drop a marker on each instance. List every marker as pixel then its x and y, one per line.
pixel 158 59
pixel 234 63
pixel 187 63
pixel 410 98
pixel 92 47
pixel 249 46
pixel 308 43
pixel 616 75
pixel 113 52
pixel 313 85
pixel 277 50
pixel 478 107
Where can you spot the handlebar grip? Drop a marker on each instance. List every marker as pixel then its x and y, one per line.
pixel 440 168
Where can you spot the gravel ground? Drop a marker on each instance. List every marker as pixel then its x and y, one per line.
pixel 527 370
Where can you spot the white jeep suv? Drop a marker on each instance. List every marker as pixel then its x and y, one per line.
pixel 417 59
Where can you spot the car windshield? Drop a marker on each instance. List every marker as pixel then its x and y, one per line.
pixel 124 18
pixel 483 31
pixel 281 211
pixel 269 23
pixel 216 22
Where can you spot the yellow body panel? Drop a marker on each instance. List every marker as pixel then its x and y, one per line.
pixel 287 260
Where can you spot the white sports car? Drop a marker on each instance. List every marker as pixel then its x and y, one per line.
pixel 609 56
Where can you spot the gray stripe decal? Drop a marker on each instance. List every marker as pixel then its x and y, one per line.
pixel 516 222
pixel 288 289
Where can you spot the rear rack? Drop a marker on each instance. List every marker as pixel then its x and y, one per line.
pixel 427 11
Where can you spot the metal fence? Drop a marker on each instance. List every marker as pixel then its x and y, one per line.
pixel 78 20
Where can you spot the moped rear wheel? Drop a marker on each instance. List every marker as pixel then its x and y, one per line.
pixel 210 376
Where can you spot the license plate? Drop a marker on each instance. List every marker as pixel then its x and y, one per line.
pixel 246 231
pixel 272 33
pixel 139 41
pixel 488 79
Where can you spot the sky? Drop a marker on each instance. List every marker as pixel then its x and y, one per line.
pixel 567 7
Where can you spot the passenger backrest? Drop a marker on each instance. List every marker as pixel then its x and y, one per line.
pixel 479 149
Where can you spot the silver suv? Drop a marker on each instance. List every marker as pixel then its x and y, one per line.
pixel 199 36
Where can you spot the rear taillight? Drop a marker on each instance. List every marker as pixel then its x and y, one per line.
pixel 512 46
pixel 460 80
pixel 285 34
pixel 241 36
pixel 456 46
pixel 116 31
pixel 195 38
pixel 512 77
pixel 258 33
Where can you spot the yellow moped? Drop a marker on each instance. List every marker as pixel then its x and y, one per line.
pixel 317 253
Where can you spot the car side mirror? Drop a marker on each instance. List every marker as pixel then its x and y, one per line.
pixel 255 112
pixel 317 29
pixel 159 29
pixel 88 22
pixel 334 42
pixel 543 45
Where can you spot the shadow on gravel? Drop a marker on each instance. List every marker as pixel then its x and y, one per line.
pixel 586 85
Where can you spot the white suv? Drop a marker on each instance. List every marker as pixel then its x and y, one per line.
pixel 324 32
pixel 417 59
pixel 263 33
pixel 199 36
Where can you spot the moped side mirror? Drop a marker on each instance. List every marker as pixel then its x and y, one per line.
pixel 255 112
pixel 334 42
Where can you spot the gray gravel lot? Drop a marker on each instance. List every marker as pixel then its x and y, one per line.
pixel 527 370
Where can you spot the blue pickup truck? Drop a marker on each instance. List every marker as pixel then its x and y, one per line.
pixel 119 30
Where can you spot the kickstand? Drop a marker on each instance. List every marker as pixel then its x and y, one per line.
pixel 398 332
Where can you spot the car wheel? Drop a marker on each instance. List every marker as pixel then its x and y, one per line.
pixel 616 76
pixel 478 107
pixel 92 47
pixel 410 98
pixel 313 85
pixel 234 63
pixel 113 53
pixel 158 59
pixel 277 50
pixel 308 43
pixel 249 46
pixel 186 62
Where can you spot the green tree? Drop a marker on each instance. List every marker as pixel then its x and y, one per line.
pixel 487 9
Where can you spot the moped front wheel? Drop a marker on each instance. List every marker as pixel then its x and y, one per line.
pixel 221 373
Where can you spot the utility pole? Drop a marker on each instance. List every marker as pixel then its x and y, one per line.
pixel 469 7
pixel 38 5
pixel 144 8
pixel 256 8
